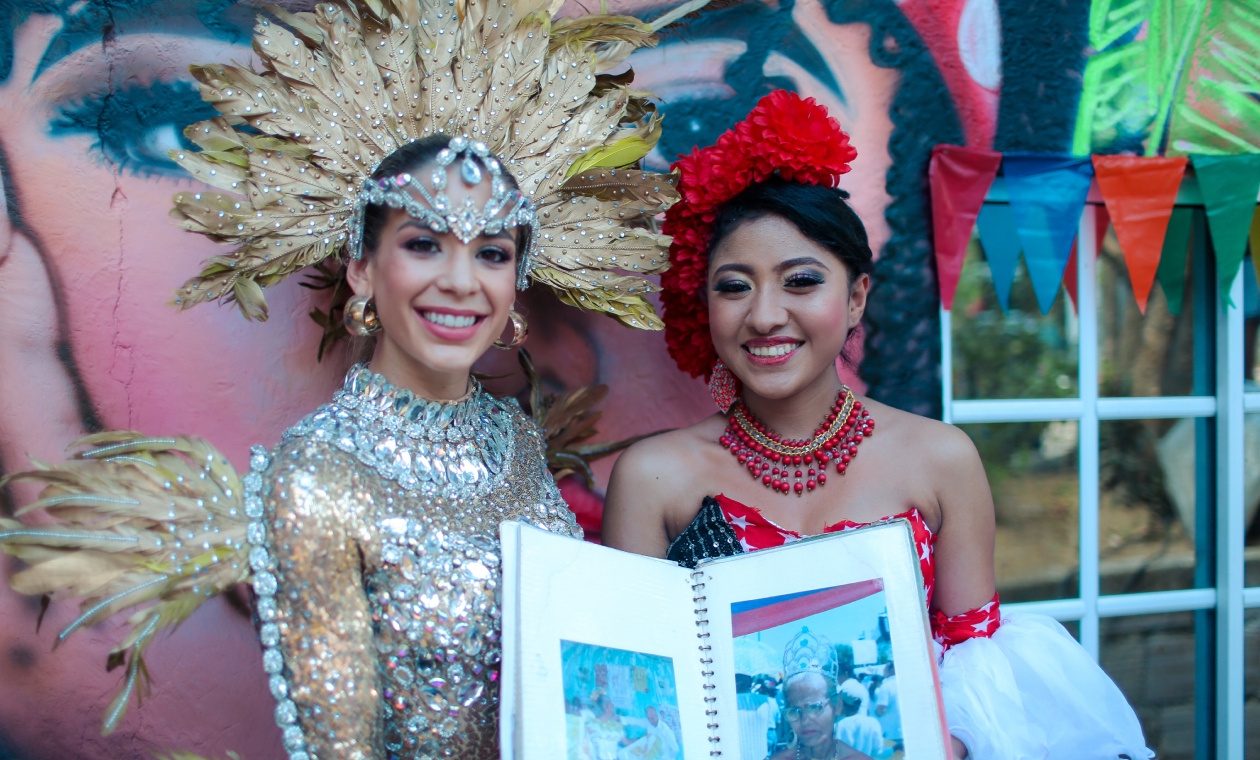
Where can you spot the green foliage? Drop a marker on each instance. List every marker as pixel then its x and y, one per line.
pixel 1020 354
pixel 844 658
pixel 1175 76
pixel 884 647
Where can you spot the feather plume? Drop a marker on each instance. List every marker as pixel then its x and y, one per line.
pixel 154 524
pixel 344 85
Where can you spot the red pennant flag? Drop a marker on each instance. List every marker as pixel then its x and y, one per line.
pixel 1101 222
pixel 1140 193
pixel 960 178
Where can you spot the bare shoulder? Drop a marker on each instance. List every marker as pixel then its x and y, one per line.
pixel 934 443
pixel 942 460
pixel 657 470
pixel 653 482
pixel 669 452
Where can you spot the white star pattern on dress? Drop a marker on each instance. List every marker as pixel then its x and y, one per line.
pixel 982 626
pixel 744 543
pixel 924 550
pixel 738 522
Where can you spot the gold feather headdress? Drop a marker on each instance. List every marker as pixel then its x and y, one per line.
pixel 347 84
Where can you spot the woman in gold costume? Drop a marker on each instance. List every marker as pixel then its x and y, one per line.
pixel 447 152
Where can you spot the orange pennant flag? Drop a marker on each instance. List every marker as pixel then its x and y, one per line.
pixel 1140 193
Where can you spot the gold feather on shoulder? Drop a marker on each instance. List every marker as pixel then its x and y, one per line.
pixel 343 86
pixel 155 524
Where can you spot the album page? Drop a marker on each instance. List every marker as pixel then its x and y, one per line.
pixel 604 653
pixel 809 639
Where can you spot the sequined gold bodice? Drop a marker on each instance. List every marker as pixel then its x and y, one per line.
pixel 374 527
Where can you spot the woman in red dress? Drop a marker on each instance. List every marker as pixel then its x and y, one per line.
pixel 769 280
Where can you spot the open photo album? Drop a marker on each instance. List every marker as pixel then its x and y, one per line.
pixel 778 653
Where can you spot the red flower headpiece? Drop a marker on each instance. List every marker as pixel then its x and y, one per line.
pixel 795 138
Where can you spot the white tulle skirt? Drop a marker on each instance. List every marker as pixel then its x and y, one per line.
pixel 1032 692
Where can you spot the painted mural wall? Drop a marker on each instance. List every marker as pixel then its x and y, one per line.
pixel 93 93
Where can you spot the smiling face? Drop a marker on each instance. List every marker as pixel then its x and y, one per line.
pixel 442 302
pixel 780 307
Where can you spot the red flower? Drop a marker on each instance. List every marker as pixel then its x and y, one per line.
pixel 784 133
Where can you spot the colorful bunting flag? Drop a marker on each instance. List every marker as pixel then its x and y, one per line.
pixel 1255 244
pixel 1101 222
pixel 1140 193
pixel 1000 239
pixel 1047 195
pixel 1172 259
pixel 1229 185
pixel 960 178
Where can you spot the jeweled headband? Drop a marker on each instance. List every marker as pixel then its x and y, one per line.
pixel 785 135
pixel 506 209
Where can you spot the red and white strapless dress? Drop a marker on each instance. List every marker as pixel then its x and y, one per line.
pixel 1016 685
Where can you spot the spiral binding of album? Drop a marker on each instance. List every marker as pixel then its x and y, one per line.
pixel 706 659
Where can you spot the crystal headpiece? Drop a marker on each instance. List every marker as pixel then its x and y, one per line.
pixel 810 653
pixel 506 209
pixel 340 87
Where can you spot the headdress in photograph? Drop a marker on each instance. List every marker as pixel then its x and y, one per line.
pixel 784 134
pixel 810 652
pixel 520 91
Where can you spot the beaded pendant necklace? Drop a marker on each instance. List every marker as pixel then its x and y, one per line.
pixel 787 465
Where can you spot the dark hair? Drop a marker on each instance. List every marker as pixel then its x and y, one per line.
pixel 902 350
pixel 820 213
pixel 409 158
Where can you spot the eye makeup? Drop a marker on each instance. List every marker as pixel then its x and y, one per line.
pixel 495 255
pixel 731 286
pixel 804 279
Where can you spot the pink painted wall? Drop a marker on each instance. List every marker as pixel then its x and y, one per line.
pixel 89 258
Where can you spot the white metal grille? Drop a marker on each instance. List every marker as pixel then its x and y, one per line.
pixel 1228 599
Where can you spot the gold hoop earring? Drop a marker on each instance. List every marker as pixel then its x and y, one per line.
pixel 520 331
pixel 360 317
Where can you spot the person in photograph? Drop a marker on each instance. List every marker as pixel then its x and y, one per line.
pixel 657 743
pixel 811 700
pixel 604 730
pixel 769 281
pixel 758 715
pixel 856 727
pixel 887 706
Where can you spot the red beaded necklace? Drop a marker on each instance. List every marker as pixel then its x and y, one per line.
pixel 786 465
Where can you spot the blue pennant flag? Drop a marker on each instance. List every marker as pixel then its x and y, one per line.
pixel 1047 195
pixel 1000 240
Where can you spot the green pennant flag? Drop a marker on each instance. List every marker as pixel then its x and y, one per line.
pixel 1255 244
pixel 1172 261
pixel 1229 185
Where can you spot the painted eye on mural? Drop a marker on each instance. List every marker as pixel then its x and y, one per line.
pixel 702 121
pixel 136 126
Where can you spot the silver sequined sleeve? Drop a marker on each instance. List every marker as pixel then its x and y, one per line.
pixel 318 542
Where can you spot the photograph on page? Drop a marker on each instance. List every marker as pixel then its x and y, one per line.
pixel 814 670
pixel 619 705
